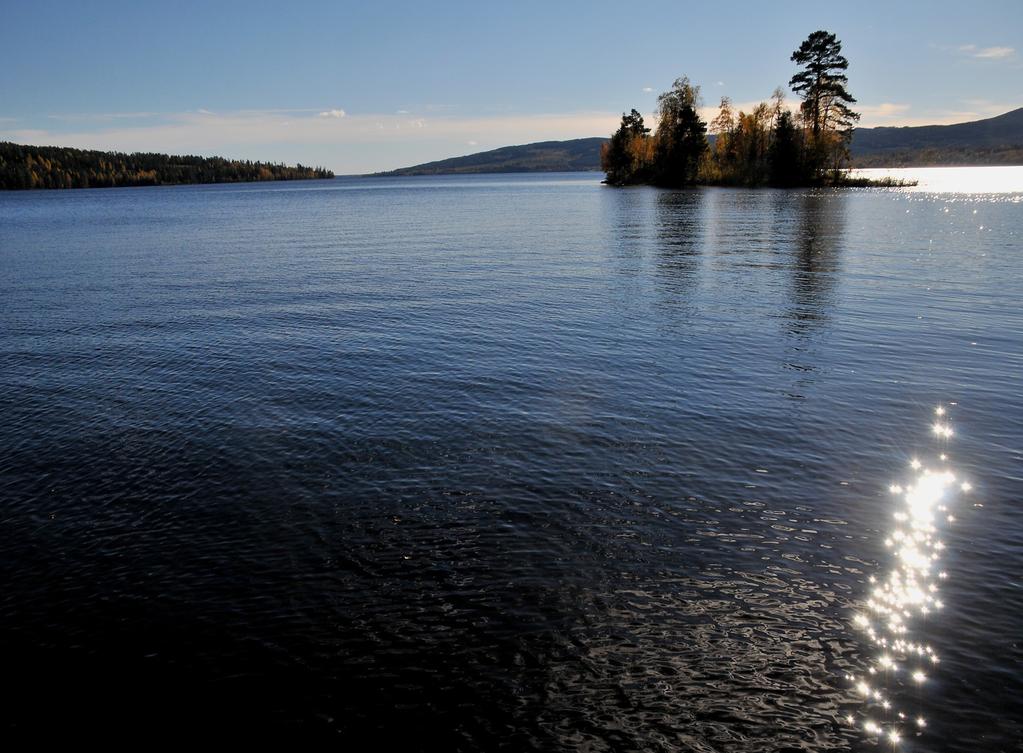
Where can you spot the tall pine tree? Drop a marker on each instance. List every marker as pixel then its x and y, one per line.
pixel 822 85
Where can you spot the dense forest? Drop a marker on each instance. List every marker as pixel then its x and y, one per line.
pixel 767 146
pixel 59 167
pixel 950 156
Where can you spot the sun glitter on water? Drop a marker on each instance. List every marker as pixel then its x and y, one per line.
pixel 908 591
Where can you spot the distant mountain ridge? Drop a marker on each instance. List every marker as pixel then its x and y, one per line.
pixel 992 141
pixel 575 155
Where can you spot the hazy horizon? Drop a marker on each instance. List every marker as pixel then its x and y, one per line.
pixel 360 90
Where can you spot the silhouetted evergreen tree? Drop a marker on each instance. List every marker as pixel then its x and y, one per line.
pixel 822 85
pixel 621 158
pixel 786 165
pixel 681 135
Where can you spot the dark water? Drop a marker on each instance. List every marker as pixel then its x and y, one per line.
pixel 520 462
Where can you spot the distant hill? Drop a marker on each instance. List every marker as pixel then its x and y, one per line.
pixel 542 157
pixel 62 167
pixel 994 141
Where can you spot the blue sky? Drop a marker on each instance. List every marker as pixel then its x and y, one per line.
pixel 369 86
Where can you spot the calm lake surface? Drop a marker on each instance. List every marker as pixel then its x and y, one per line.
pixel 513 462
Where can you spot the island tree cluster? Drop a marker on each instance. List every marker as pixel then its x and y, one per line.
pixel 770 145
pixel 59 167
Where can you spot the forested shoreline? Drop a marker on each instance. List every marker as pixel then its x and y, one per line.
pixel 26 167
pixel 770 145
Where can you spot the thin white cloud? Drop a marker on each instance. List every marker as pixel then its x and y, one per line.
pixel 287 110
pixel 332 114
pixel 648 89
pixel 201 111
pixel 886 113
pixel 995 53
pixel 101 116
pixel 987 53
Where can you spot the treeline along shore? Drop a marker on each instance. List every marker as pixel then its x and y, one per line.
pixel 770 145
pixel 62 167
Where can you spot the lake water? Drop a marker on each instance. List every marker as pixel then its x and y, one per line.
pixel 515 462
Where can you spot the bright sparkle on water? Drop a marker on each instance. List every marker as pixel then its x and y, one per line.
pixel 909 590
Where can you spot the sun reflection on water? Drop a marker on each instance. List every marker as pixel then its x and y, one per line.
pixel 987 181
pixel 908 591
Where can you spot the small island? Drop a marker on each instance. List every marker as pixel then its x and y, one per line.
pixel 23 167
pixel 768 146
